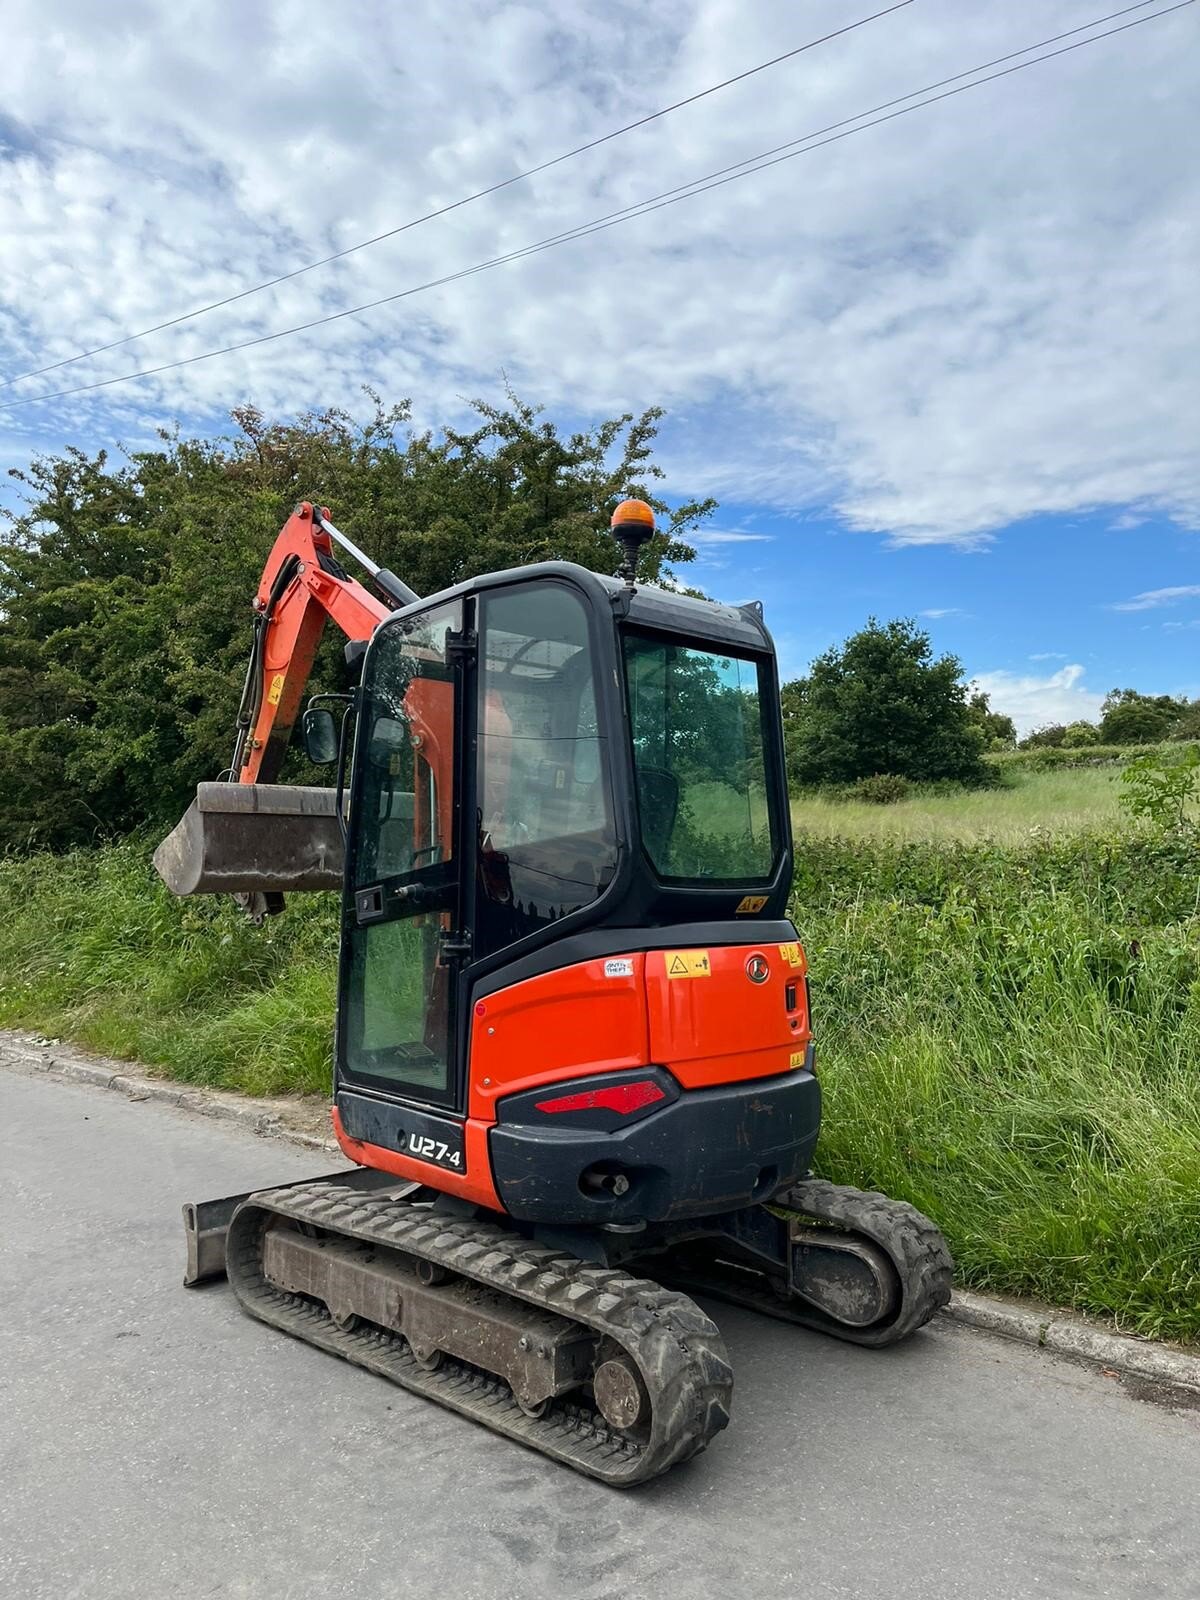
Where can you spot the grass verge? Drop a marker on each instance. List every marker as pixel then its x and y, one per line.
pixel 94 949
pixel 1009 1032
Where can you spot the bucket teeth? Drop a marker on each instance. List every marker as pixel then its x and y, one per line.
pixel 253 838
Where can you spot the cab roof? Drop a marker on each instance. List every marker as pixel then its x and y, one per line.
pixel 645 605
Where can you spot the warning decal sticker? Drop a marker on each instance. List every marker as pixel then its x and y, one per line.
pixel 749 904
pixel 276 689
pixel 792 954
pixel 687 963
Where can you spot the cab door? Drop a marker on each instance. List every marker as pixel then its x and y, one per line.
pixel 402 909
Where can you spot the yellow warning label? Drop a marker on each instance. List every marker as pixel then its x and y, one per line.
pixel 749 904
pixel 792 954
pixel 276 689
pixel 796 1059
pixel 687 963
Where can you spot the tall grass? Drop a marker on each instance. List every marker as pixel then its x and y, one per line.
pixel 1063 800
pixel 93 948
pixel 1010 1041
pixel 1008 1032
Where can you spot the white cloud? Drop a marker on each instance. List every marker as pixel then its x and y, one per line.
pixel 977 313
pixel 1151 598
pixel 1048 655
pixel 703 536
pixel 1032 702
pixel 934 612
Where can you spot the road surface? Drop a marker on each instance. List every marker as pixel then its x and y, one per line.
pixel 155 1441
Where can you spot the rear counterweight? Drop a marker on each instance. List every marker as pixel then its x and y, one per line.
pixel 692 1153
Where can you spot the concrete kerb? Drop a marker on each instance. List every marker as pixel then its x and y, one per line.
pixel 1143 1359
pixel 1132 1357
pixel 26 1052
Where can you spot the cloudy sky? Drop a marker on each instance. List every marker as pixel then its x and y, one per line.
pixel 946 366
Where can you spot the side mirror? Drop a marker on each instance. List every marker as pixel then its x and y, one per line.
pixel 319 732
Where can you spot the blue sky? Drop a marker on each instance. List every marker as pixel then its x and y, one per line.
pixel 1044 598
pixel 948 366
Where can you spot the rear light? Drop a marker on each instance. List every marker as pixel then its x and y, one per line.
pixel 623 1098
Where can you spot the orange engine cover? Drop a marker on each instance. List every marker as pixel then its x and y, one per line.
pixel 710 1016
pixel 722 1014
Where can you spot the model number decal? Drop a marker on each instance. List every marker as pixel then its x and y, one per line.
pixel 426 1148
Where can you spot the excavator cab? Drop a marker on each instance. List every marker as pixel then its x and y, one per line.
pixel 573 1040
pixel 567 803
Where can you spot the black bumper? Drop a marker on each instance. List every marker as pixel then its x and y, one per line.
pixel 702 1151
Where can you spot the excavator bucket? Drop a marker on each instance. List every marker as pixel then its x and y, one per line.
pixel 253 838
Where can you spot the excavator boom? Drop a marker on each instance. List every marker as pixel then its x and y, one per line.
pixel 249 835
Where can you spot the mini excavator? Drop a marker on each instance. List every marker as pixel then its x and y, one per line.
pixel 574 1067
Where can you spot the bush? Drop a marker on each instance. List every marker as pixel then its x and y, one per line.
pixel 1162 786
pixel 1040 758
pixel 1047 737
pixel 881 789
pixel 1132 718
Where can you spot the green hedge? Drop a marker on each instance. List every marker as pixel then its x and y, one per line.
pixel 1086 755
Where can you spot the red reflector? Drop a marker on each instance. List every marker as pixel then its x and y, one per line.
pixel 619 1097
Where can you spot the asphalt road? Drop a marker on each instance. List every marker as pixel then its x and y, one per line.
pixel 155 1441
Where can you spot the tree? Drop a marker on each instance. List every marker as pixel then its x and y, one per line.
pixel 881 703
pixel 1077 735
pixel 1132 718
pixel 125 587
pixel 1188 726
pixel 1048 737
pixel 999 731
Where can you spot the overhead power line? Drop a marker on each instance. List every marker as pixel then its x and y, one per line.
pixel 668 197
pixel 466 200
pixel 814 140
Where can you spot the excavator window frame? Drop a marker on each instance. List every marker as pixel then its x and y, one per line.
pixel 435 890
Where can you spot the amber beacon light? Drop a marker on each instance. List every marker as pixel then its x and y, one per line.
pixel 632 525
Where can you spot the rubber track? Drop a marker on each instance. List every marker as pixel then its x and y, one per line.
pixel 676 1347
pixel 911 1241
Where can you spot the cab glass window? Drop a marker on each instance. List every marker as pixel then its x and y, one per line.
pixel 696 721
pixel 546 841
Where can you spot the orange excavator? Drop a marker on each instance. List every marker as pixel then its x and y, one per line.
pixel 573 1067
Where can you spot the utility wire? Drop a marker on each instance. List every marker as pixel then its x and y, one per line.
pixel 752 164
pixel 455 205
pixel 757 163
